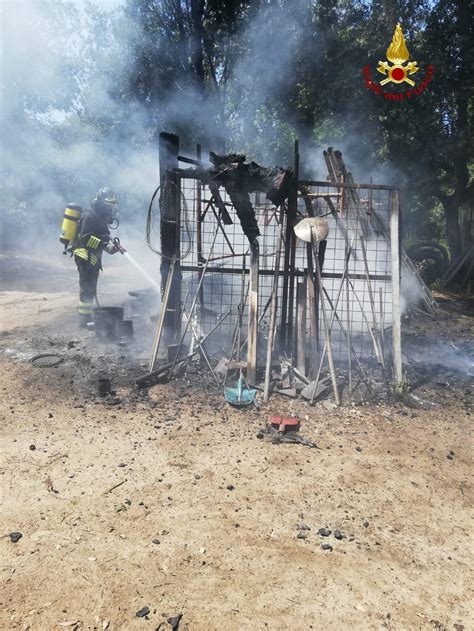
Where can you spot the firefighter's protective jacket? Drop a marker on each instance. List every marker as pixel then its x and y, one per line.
pixel 92 238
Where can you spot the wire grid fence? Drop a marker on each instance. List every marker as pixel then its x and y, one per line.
pixel 359 238
pixel 359 243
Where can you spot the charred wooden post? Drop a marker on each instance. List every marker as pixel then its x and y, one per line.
pixel 273 310
pixel 396 312
pixel 170 224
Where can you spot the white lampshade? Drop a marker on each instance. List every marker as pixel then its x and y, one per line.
pixel 312 229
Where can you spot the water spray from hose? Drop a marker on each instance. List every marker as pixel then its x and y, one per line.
pixel 142 271
pixel 122 250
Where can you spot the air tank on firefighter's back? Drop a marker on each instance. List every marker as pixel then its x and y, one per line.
pixel 71 217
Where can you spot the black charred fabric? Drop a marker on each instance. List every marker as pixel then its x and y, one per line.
pixel 239 180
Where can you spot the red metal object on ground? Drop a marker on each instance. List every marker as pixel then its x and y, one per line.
pixel 285 423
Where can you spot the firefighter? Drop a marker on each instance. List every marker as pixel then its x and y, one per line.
pixel 93 236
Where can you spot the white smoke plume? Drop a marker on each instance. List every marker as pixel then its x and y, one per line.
pixel 66 130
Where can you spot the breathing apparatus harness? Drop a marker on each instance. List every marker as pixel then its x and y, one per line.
pixel 71 228
pixel 104 203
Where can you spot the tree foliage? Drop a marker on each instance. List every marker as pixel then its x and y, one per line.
pixel 252 75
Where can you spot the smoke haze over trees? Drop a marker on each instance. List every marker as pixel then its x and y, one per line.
pixel 86 87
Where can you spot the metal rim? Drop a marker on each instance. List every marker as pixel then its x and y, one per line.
pixel 55 362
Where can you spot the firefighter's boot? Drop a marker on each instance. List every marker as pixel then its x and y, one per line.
pixel 84 320
pixel 85 313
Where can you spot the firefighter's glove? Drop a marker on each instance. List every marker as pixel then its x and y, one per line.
pixel 111 248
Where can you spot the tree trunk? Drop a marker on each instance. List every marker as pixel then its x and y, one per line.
pixel 197 15
pixel 453 236
pixel 452 203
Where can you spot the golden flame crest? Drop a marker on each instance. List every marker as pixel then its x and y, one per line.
pixel 398 54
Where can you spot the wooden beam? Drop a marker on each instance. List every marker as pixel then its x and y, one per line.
pixel 332 174
pixel 273 311
pixel 161 319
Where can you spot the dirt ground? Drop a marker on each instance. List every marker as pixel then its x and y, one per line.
pixel 167 499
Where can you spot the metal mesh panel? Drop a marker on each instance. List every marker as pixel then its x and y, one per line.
pixel 359 221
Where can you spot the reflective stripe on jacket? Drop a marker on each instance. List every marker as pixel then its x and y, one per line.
pixel 92 237
pixel 82 253
pixel 93 242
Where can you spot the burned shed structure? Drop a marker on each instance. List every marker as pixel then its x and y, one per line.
pixel 239 273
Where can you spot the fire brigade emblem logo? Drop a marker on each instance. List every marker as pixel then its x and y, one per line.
pixel 398 54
